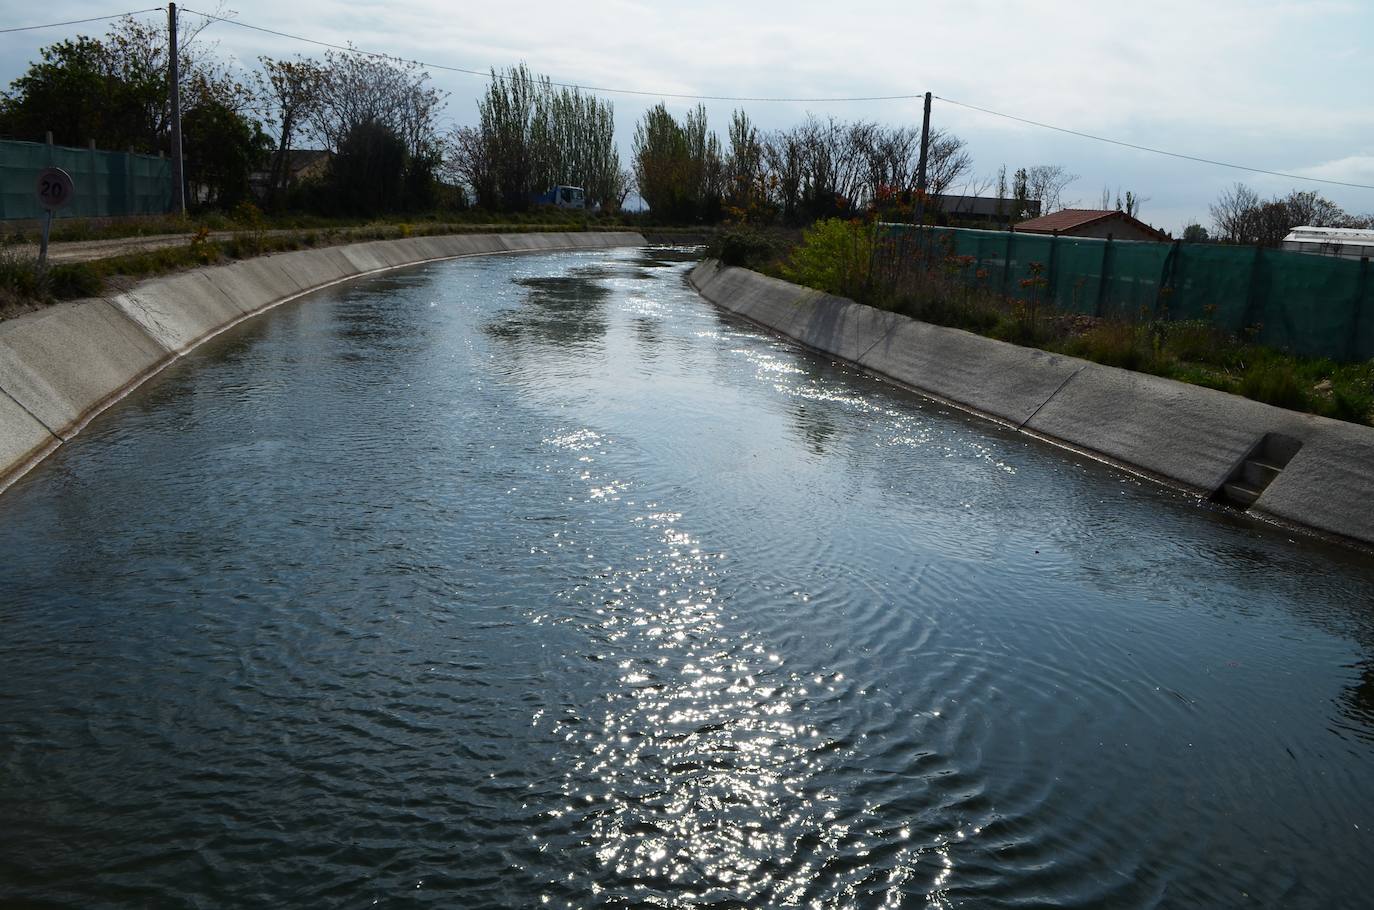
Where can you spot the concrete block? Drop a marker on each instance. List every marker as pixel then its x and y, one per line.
pixel 63 363
pixel 1185 433
pixel 316 268
pixel 991 377
pixel 433 248
pixel 997 379
pixel 472 244
pixel 254 284
pixel 365 257
pixel 1328 483
pixel 783 307
pixel 179 311
pixel 522 243
pixel 622 238
pixel 23 440
pixel 390 253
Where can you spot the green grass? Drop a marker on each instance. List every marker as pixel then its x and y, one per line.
pixel 66 230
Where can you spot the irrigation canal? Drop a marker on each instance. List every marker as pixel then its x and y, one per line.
pixel 535 580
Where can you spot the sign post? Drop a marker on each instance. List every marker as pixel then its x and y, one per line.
pixel 55 189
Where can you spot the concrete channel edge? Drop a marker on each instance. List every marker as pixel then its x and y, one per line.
pixel 1187 436
pixel 62 366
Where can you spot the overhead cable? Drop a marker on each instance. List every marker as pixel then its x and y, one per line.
pixel 348 48
pixel 1155 151
pixel 30 28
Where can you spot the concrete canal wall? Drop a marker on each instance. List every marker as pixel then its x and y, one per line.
pixel 61 366
pixel 1184 435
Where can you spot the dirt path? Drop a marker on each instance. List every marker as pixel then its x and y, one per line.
pixel 88 250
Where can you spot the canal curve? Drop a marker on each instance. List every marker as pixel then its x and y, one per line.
pixel 537 580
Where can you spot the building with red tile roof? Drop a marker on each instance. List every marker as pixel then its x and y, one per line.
pixel 1092 223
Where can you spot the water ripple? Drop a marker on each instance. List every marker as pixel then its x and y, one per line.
pixel 536 581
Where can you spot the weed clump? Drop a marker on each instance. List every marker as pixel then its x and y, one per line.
pixel 744 246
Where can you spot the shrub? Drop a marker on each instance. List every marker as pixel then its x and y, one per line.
pixel 1275 382
pixel 1198 341
pixel 743 246
pixel 20 277
pixel 834 256
pixel 1116 344
pixel 75 280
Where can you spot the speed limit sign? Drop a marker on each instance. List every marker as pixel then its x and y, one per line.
pixel 55 188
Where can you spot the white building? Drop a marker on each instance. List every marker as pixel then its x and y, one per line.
pixel 1347 243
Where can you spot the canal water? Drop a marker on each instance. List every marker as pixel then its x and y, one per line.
pixel 537 581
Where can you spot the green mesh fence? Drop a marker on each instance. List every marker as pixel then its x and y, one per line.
pixel 107 183
pixel 1319 306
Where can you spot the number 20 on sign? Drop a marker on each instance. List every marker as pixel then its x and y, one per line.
pixel 55 189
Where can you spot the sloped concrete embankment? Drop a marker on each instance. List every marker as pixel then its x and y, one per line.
pixel 1188 436
pixel 61 366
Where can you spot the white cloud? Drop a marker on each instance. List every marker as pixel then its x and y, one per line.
pixel 1273 84
pixel 1350 169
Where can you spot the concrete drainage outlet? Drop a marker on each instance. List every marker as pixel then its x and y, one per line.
pixel 1257 470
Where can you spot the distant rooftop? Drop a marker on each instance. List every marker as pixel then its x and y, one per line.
pixel 1066 220
pixel 1309 234
pixel 992 206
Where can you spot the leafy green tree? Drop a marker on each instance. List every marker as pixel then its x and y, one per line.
pixel 82 90
pixel 221 147
pixel 532 136
pixel 660 163
pixel 1195 233
pixel 367 173
pixel 678 166
pixel 745 186
pixel 114 91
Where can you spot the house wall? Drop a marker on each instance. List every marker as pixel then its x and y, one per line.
pixel 1118 227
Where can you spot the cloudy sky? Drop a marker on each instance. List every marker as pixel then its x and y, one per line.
pixel 1281 86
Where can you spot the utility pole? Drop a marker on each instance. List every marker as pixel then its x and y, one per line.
pixel 174 79
pixel 921 167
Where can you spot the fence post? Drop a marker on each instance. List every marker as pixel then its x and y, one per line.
pixel 1252 296
pixel 1166 277
pixel 1006 260
pixel 1353 351
pixel 92 194
pixel 1102 279
pixel 1051 285
pixel 130 183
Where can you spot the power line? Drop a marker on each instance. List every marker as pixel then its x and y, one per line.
pixel 692 97
pixel 1146 148
pixel 30 28
pixel 589 88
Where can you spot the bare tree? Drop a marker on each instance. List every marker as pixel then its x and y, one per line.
pixel 357 89
pixel 1310 208
pixel 289 91
pixel 1046 183
pixel 1240 216
pixel 1234 215
pixel 947 160
pixel 466 161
